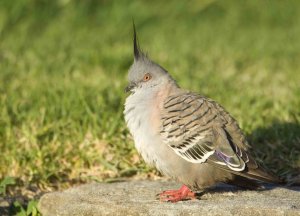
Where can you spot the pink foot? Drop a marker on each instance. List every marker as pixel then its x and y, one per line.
pixel 184 193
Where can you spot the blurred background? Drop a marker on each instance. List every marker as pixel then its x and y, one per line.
pixel 63 67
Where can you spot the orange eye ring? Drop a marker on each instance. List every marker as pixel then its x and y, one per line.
pixel 147 77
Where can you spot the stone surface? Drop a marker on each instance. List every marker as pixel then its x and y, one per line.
pixel 138 198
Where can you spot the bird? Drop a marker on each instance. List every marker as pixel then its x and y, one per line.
pixel 186 136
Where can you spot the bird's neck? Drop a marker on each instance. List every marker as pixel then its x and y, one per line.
pixel 146 106
pixel 143 117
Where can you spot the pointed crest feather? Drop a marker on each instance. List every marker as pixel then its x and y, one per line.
pixel 136 49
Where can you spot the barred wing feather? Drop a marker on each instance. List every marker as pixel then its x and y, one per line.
pixel 198 130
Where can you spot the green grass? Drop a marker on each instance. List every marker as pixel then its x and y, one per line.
pixel 63 67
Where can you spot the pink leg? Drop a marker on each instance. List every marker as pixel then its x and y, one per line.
pixel 184 193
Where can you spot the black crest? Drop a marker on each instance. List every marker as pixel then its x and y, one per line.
pixel 136 48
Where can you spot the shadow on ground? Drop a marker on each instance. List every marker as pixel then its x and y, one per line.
pixel 278 147
pixel 224 188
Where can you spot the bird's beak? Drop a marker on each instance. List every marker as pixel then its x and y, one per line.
pixel 130 87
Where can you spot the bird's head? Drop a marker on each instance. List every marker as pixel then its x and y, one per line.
pixel 144 73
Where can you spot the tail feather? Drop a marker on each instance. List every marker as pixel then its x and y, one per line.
pixel 251 174
pixel 244 182
pixel 262 175
pixel 255 171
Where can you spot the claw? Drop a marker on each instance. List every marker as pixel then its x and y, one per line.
pixel 184 193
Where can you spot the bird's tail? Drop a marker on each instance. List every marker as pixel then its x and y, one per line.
pixel 262 175
pixel 247 177
pixel 251 179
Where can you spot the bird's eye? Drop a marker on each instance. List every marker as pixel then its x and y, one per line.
pixel 147 77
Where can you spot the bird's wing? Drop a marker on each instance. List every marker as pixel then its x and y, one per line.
pixel 199 130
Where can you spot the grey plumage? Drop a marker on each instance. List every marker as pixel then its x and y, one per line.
pixel 200 130
pixel 185 135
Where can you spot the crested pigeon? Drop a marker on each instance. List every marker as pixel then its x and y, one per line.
pixel 186 136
